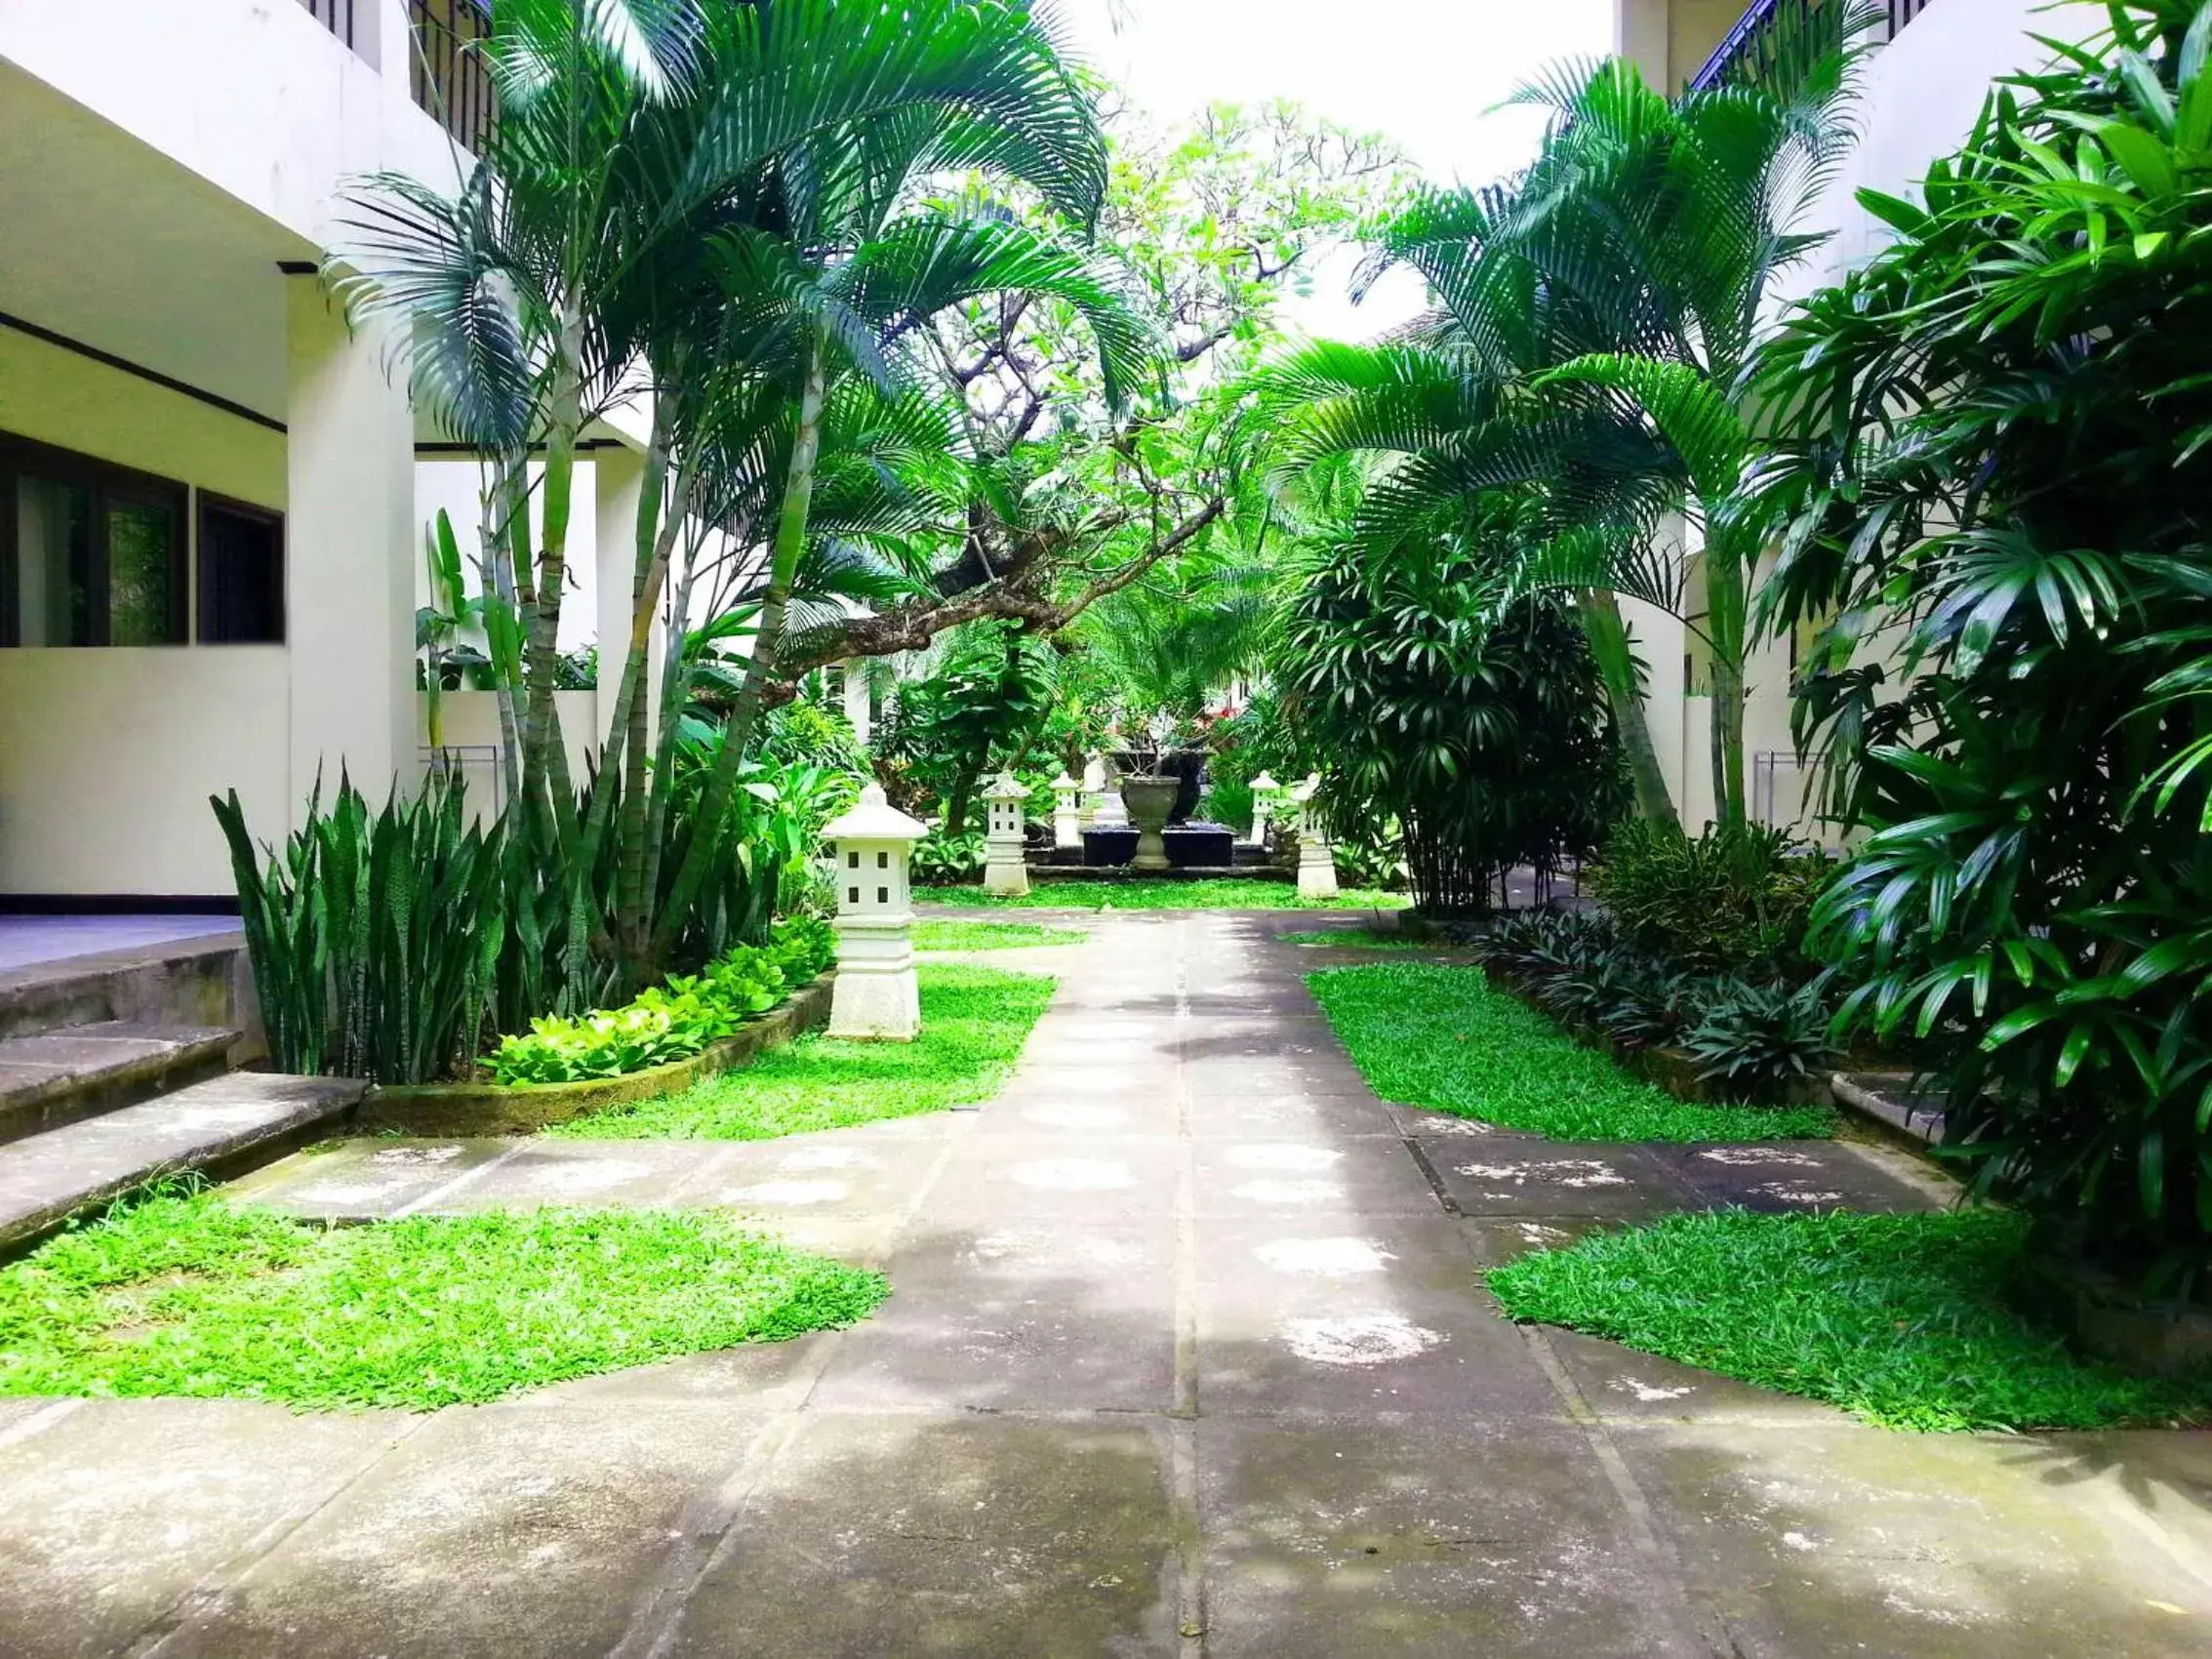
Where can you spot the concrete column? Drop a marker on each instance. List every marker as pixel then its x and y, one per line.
pixel 877 996
pixel 858 711
pixel 1640 31
pixel 351 547
pixel 616 478
pixel 1265 789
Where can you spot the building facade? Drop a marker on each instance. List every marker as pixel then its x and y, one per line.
pixel 213 491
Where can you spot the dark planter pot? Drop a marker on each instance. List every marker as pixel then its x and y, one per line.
pixel 1108 848
pixel 1202 846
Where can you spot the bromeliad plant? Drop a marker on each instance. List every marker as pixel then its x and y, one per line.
pixel 2001 454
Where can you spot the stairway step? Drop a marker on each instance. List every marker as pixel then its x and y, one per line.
pixel 56 1077
pixel 64 1172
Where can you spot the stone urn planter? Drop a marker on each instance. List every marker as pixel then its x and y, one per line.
pixel 1149 800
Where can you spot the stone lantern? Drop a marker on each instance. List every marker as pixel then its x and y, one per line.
pixel 876 994
pixel 1316 865
pixel 1264 790
pixel 1066 811
pixel 1004 870
pixel 1094 787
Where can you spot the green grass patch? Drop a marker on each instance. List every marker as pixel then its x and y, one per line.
pixel 1440 1038
pixel 974 1024
pixel 990 935
pixel 1357 939
pixel 182 1294
pixel 1141 894
pixel 1899 1320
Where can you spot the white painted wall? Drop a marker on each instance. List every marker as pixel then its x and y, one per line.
pixel 255 96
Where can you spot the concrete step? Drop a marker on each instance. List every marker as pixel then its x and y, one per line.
pixel 61 1077
pixel 202 980
pixel 222 1123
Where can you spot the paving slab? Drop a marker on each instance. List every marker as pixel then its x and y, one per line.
pixel 986 1538
pixel 1422 1541
pixel 1620 1383
pixel 1528 1177
pixel 1029 1314
pixel 1791 1177
pixel 116 1516
pixel 492 1532
pixel 1810 1542
pixel 1350 1315
pixel 1369 1176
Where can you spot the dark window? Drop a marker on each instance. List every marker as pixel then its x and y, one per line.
pixel 90 554
pixel 854 897
pixel 883 895
pixel 241 574
pixel 852 861
pixel 883 860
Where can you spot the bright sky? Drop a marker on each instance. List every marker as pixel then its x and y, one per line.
pixel 1423 72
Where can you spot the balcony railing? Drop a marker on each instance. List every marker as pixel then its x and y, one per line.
pixel 446 67
pixel 337 15
pixel 1751 44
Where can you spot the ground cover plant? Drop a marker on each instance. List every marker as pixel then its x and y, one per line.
pixel 1444 1039
pixel 990 935
pixel 179 1293
pixel 1899 1320
pixel 974 1024
pixel 1230 894
pixel 672 1021
pixel 1356 938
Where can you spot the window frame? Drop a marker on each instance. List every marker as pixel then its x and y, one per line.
pixel 206 500
pixel 109 484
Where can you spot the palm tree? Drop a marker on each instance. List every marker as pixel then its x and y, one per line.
pixel 722 207
pixel 1598 320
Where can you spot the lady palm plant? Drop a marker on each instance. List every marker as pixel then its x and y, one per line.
pixel 1997 451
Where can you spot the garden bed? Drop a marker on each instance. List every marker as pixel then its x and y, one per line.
pixel 975 1022
pixel 522 1109
pixel 1445 1040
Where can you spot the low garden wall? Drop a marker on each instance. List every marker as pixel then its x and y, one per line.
pixel 521 1109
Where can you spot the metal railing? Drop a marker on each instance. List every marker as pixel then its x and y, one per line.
pixel 446 70
pixel 337 15
pixel 1752 42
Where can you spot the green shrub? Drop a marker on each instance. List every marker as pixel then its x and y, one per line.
pixel 1991 440
pixel 1759 1041
pixel 942 859
pixel 1735 898
pixel 673 1021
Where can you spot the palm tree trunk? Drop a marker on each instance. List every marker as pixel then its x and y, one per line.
pixel 657 533
pixel 499 574
pixel 1609 647
pixel 544 757
pixel 782 573
pixel 1724 623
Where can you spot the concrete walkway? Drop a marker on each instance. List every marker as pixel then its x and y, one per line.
pixel 1187 1356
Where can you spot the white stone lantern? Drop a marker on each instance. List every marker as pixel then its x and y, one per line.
pixel 876 994
pixel 1066 811
pixel 1005 871
pixel 1264 790
pixel 1317 865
